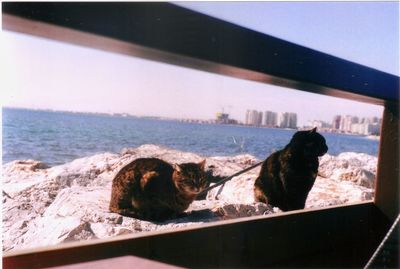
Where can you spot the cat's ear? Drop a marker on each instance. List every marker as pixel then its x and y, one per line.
pixel 202 164
pixel 314 130
pixel 177 167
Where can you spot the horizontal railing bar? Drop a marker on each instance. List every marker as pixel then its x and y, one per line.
pixel 233 242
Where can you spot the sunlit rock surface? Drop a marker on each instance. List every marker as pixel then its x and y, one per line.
pixel 51 205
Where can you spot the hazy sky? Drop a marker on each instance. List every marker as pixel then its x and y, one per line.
pixel 41 73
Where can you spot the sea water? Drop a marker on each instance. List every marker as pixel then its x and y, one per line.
pixel 59 137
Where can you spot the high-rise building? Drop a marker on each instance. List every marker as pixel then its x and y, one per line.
pixel 253 117
pixel 336 122
pixel 270 119
pixel 370 120
pixel 283 119
pixel 352 124
pixel 292 120
pixel 259 119
pixel 246 120
pixel 366 128
pixel 287 120
pixel 346 122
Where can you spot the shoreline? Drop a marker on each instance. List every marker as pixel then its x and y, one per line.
pixel 184 120
pixel 57 138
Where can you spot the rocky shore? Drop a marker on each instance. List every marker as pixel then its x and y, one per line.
pixel 50 205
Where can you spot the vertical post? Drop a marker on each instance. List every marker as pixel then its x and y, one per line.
pixel 388 179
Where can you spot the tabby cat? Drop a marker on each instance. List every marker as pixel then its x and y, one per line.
pixel 287 176
pixel 152 189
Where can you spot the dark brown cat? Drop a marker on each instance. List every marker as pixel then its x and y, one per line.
pixel 287 176
pixel 152 189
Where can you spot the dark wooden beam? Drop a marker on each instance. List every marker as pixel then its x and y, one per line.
pixel 388 175
pixel 334 237
pixel 184 37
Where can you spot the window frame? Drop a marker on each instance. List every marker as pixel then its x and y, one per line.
pixel 218 47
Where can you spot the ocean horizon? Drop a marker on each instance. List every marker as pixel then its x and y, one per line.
pixel 56 137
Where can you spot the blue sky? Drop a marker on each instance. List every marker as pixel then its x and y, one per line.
pixel 40 73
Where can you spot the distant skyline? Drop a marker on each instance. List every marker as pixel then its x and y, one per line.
pixel 46 74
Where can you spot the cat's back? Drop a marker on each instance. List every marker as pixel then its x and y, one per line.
pixel 152 164
pixel 143 165
pixel 271 165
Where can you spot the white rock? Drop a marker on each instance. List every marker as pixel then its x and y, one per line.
pixel 47 206
pixel 19 175
pixel 359 168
